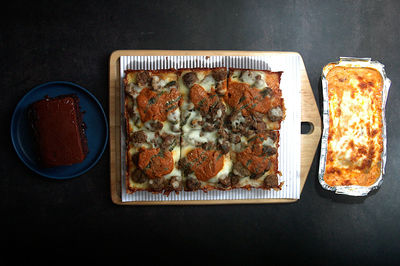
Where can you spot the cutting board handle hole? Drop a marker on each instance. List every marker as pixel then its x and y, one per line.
pixel 307 128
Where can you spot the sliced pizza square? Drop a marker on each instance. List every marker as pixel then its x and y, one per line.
pixel 205 158
pixel 152 115
pixel 255 100
pixel 254 115
pixel 255 162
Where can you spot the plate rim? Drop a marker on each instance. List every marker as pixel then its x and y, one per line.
pixel 13 126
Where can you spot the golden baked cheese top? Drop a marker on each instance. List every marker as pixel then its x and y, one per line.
pixel 355 140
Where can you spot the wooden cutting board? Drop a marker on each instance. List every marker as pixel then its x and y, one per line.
pixel 309 114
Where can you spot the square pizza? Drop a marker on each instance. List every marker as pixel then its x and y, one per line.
pixel 205 157
pixel 152 115
pixel 254 115
pixel 202 129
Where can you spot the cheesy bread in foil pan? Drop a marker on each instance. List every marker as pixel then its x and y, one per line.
pixel 353 144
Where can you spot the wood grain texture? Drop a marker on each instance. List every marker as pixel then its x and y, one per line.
pixel 309 113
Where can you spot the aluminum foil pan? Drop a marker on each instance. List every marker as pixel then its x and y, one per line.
pixel 352 190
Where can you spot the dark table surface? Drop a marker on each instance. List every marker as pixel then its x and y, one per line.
pixel 44 41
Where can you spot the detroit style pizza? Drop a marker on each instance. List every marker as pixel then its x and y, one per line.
pixel 202 129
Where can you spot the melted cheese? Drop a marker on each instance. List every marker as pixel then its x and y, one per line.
pixel 355 126
pixel 176 154
pixel 207 83
pixel 253 78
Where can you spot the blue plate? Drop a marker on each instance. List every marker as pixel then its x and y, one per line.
pixel 94 118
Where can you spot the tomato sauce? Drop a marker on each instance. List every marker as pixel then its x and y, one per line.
pixel 253 157
pixel 205 164
pixel 250 100
pixel 201 99
pixel 155 162
pixel 154 105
